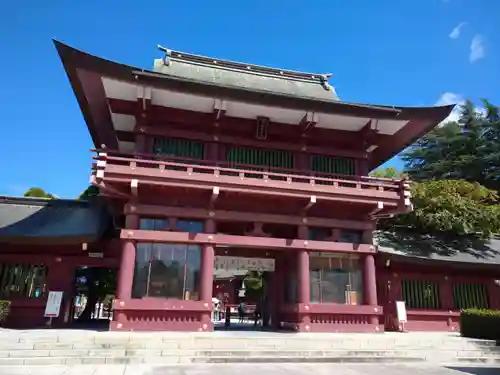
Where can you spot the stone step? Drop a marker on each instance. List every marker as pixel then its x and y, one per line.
pixel 60 348
pixel 238 353
pixel 45 361
pixel 7 344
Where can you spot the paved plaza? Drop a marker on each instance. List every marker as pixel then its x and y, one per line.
pixel 249 369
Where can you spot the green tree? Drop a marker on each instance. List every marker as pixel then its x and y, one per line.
pixel 254 284
pixel 449 216
pixel 463 150
pixel 453 207
pixel 388 172
pixel 37 192
pixel 90 192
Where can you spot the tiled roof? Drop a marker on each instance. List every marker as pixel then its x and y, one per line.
pixel 246 76
pixel 457 249
pixel 58 220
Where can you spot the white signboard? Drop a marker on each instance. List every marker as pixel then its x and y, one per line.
pixel 228 263
pixel 401 311
pixel 53 304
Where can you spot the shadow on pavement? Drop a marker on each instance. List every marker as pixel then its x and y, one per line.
pixel 476 370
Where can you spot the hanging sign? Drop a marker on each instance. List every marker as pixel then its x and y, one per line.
pixel 228 263
pixel 53 305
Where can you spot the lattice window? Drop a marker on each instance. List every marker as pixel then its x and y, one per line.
pixel 22 280
pixel 333 165
pixel 420 294
pixel 179 148
pixel 263 157
pixel 470 295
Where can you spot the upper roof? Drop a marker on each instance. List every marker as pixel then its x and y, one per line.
pixel 58 221
pixel 245 76
pixel 109 92
pixel 458 251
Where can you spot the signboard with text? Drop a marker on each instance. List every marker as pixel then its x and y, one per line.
pixel 228 263
pixel 401 311
pixel 53 306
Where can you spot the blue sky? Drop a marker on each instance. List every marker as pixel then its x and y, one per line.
pixel 398 52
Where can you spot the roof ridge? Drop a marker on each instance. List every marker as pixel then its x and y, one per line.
pixel 321 78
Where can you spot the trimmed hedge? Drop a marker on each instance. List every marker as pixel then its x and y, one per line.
pixel 480 324
pixel 4 310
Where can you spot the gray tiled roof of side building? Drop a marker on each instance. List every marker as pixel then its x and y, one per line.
pixel 37 218
pixel 466 250
pixel 246 76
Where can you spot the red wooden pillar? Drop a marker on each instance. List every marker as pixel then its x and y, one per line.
pixel 207 276
pixel 446 298
pixel 141 145
pixel 304 293
pixel 61 278
pixel 302 162
pixel 125 280
pixel 303 282
pixel 362 167
pixel 493 294
pixel 277 292
pixel 370 284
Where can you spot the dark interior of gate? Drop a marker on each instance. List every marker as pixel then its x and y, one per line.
pixel 246 289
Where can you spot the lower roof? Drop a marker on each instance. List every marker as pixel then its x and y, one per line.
pixel 463 250
pixel 54 221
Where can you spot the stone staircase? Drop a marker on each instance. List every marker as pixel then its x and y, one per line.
pixel 65 347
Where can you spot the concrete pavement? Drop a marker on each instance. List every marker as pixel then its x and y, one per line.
pixel 251 369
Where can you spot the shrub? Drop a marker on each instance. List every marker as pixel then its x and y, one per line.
pixel 4 310
pixel 480 324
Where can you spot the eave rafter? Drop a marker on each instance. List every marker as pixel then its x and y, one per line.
pixel 214 196
pixel 308 122
pixel 220 107
pixel 369 135
pixel 143 108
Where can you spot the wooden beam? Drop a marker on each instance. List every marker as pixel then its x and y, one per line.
pixel 309 121
pixel 172 132
pixel 143 108
pixel 245 241
pixel 311 202
pixel 257 231
pixel 376 210
pixel 368 135
pixel 112 191
pixel 238 216
pixel 134 185
pixel 250 186
pixel 219 110
pixel 214 196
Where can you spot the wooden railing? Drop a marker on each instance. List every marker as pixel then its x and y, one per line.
pixel 241 171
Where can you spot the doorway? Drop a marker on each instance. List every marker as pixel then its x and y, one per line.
pixel 94 291
pixel 242 293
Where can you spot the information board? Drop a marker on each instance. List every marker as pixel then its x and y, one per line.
pixel 53 305
pixel 401 311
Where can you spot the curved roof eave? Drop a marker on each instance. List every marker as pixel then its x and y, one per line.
pixel 97 116
pixel 76 59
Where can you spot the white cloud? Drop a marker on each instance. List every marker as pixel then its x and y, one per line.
pixel 455 33
pixel 477 49
pixel 448 98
